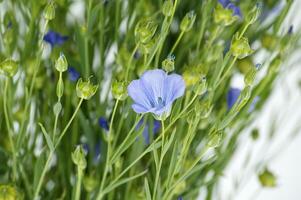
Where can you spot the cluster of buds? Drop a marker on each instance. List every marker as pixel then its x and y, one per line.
pixel 240 47
pixel 8 67
pixel 188 21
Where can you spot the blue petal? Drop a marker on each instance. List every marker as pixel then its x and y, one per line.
pixel 139 108
pixel 232 97
pixel 153 82
pixel 139 95
pixel 174 87
pixel 224 2
pixel 236 10
pixel 103 123
pixel 73 74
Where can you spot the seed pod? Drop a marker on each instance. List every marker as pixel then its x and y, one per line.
pixel 49 12
pixel 240 47
pixel 78 157
pixel 61 63
pixel 169 63
pixel 85 89
pixel 188 21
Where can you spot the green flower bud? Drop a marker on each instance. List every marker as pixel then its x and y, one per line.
pixel 60 88
pixel 146 48
pixel 244 65
pixel 215 139
pixel 9 193
pixel 201 88
pixel 223 16
pixel 49 12
pixel 78 157
pixel 250 76
pixel 61 63
pixel 169 63
pixel 267 179
pixel 254 13
pixel 275 65
pixel 167 8
pixel 57 108
pixel 240 47
pixel 8 67
pixel 85 90
pixel 119 90
pixel 90 183
pixel 145 30
pixel 188 21
pixel 192 76
pixel 270 41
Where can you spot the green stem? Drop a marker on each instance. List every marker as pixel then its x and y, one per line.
pixel 78 183
pixel 108 153
pixel 160 162
pixel 177 42
pixel 10 135
pixel 227 71
pixel 130 61
pixel 37 190
pixel 56 115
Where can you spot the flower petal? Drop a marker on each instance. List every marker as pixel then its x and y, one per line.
pixel 137 92
pixel 139 108
pixel 153 82
pixel 174 87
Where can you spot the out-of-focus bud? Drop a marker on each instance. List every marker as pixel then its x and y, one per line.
pixel 270 41
pixel 169 63
pixel 146 48
pixel 90 183
pixel 188 21
pixel 145 30
pixel 60 88
pixel 167 8
pixel 78 157
pixel 224 16
pixel 180 188
pixel 201 88
pixel 254 13
pixel 250 76
pixel 9 67
pixel 245 93
pixel 85 90
pixel 255 134
pixel 274 66
pixel 215 139
pixel 9 193
pixel 192 76
pixel 267 179
pixel 244 65
pixel 61 63
pixel 240 47
pixel 57 108
pixel 119 90
pixel 49 12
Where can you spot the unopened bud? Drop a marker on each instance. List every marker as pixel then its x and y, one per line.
pixel 254 13
pixel 85 90
pixel 201 88
pixel 215 139
pixel 90 183
pixel 61 63
pixel 240 47
pixel 49 12
pixel 267 179
pixel 169 63
pixel 57 108
pixel 188 21
pixel 78 157
pixel 8 192
pixel 145 30
pixel 224 16
pixel 167 8
pixel 119 90
pixel 250 76
pixel 8 67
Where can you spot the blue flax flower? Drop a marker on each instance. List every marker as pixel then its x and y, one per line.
pixel 155 92
pixel 103 123
pixel 229 5
pixel 73 74
pixel 54 38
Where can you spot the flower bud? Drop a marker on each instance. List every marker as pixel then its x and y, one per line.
pixel 267 179
pixel 119 90
pixel 78 157
pixel 57 108
pixel 250 76
pixel 191 76
pixel 9 193
pixel 240 47
pixel 90 183
pixel 8 67
pixel 270 41
pixel 167 8
pixel 85 90
pixel 254 13
pixel 61 63
pixel 49 12
pixel 224 16
pixel 201 88
pixel 145 30
pixel 188 21
pixel 146 48
pixel 169 63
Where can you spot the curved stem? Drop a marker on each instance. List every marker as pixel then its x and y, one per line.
pixel 99 196
pixel 177 42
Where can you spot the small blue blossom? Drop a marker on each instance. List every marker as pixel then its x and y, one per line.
pixel 180 198
pixel 145 133
pixel 73 74
pixel 232 97
pixel 229 5
pixel 54 38
pixel 96 152
pixel 103 123
pixel 155 92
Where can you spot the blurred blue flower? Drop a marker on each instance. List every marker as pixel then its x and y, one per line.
pixel 229 5
pixel 73 74
pixel 145 133
pixel 155 92
pixel 96 152
pixel 103 123
pixel 54 38
pixel 233 95
pixel 180 198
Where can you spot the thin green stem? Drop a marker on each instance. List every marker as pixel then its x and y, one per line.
pixel 10 135
pixel 130 61
pixel 78 183
pixel 108 153
pixel 177 42
pixel 56 115
pixel 227 71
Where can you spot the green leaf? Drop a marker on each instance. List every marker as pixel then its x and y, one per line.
pixel 147 190
pixel 47 137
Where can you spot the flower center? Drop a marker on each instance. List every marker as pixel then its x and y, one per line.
pixel 161 102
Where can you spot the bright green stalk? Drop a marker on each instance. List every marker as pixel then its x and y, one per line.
pixel 177 42
pixel 78 183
